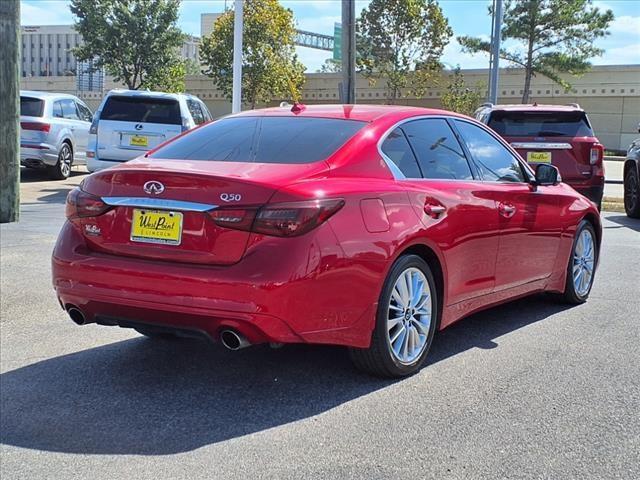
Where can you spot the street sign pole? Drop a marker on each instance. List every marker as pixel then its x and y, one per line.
pixel 348 50
pixel 236 102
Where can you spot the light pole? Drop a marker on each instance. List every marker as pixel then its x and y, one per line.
pixel 236 96
pixel 495 51
pixel 9 111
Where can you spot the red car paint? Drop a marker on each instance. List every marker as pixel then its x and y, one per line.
pixel 487 242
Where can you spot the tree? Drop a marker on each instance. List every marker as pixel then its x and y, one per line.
pixel 170 79
pixel 137 41
pixel 554 37
pixel 458 97
pixel 401 41
pixel 331 65
pixel 270 67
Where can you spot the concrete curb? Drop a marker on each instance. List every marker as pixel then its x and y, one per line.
pixel 614 159
pixel 613 204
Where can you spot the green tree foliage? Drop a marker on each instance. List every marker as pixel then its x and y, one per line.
pixel 331 65
pixel 270 67
pixel 401 42
pixel 460 98
pixel 551 37
pixel 136 41
pixel 170 79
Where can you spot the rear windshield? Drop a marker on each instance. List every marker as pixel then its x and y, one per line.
pixel 142 110
pixel 541 124
pixel 263 140
pixel 31 107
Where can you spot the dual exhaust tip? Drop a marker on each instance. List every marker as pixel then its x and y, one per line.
pixel 231 339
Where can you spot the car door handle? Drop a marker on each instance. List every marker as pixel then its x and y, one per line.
pixel 434 211
pixel 506 210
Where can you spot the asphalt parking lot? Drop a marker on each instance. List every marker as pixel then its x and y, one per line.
pixel 532 389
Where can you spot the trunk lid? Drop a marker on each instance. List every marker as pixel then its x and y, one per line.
pixel 182 194
pixel 123 141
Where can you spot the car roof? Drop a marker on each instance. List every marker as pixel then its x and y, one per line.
pixel 536 107
pixel 45 95
pixel 366 113
pixel 146 93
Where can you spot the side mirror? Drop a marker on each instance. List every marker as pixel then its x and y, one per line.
pixel 547 175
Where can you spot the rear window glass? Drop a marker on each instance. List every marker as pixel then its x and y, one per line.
pixel 142 110
pixel 540 124
pixel 263 140
pixel 31 107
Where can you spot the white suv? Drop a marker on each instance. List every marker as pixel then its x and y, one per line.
pixel 129 123
pixel 54 130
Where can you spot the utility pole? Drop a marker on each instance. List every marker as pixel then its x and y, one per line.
pixel 236 96
pixel 348 93
pixel 9 111
pixel 495 51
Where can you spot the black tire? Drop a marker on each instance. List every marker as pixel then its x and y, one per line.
pixel 378 359
pixel 571 294
pixel 62 169
pixel 632 193
pixel 150 333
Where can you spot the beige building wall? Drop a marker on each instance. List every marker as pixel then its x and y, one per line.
pixel 609 94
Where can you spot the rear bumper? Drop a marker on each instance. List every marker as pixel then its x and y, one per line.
pixel 270 296
pixel 592 192
pixel 95 165
pixel 38 155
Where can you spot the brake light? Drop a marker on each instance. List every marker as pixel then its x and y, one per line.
pixel 596 154
pixel 281 219
pixel 82 204
pixel 36 126
pixel 93 129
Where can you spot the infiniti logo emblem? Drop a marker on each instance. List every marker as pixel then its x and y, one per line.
pixel 153 187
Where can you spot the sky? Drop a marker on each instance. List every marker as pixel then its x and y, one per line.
pixel 466 17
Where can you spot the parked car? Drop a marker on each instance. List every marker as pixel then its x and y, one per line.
pixel 54 130
pixel 365 226
pixel 129 123
pixel 632 179
pixel 560 135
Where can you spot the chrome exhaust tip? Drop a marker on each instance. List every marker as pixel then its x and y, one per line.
pixel 232 340
pixel 76 315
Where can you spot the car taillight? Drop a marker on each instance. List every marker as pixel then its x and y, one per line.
pixel 280 219
pixel 596 154
pixel 37 126
pixel 83 204
pixel 93 129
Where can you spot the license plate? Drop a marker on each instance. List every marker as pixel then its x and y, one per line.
pixel 539 157
pixel 139 141
pixel 156 226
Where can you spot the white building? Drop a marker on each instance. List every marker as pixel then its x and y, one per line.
pixel 47 50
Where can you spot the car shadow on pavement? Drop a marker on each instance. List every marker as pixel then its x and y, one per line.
pixel 32 175
pixel 153 397
pixel 624 221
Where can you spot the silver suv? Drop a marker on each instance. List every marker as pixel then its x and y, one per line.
pixel 54 130
pixel 129 123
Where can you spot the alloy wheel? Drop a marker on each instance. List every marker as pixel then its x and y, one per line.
pixel 583 262
pixel 631 192
pixel 409 315
pixel 65 158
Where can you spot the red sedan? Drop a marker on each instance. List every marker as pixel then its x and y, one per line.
pixel 365 226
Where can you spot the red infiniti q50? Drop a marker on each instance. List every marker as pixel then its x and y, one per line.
pixel 365 226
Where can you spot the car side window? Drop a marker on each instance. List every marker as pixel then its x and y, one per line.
pixel 205 112
pixel 85 113
pixel 196 112
pixel 495 162
pixel 57 109
pixel 439 153
pixel 69 109
pixel 397 149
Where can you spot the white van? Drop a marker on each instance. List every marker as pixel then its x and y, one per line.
pixel 129 123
